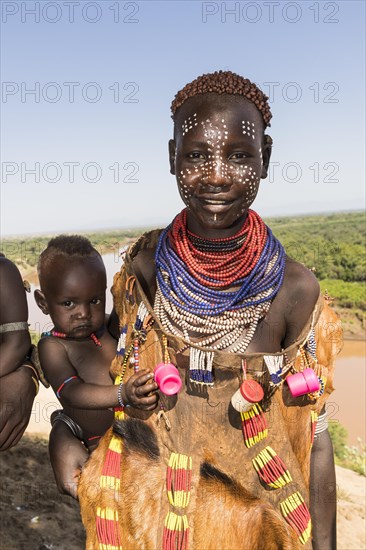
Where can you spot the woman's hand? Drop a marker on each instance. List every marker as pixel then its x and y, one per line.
pixel 17 393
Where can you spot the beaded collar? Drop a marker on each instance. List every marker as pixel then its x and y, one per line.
pixel 93 336
pixel 194 283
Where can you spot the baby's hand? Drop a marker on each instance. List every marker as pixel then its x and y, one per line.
pixel 137 389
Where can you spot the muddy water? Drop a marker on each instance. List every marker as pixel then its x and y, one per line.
pixel 346 404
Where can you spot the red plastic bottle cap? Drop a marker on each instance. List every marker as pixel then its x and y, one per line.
pixel 252 391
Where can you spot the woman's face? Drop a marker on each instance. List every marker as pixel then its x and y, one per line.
pixel 218 159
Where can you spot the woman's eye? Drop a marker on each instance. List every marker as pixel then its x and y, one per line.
pixel 196 156
pixel 96 301
pixel 238 156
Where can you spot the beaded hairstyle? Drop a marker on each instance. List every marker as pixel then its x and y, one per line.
pixel 224 82
pixel 64 245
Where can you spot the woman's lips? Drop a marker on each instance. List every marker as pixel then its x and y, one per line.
pixel 214 201
pixel 215 205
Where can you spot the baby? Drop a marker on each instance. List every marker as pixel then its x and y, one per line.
pixel 77 353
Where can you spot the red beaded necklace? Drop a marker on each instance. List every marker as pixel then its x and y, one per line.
pixel 57 334
pixel 228 266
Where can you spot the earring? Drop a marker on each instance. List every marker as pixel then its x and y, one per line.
pixel 268 140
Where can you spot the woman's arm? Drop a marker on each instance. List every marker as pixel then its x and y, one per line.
pixel 17 389
pixel 14 345
pixel 323 493
pixel 302 296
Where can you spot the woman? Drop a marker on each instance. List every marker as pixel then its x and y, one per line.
pixel 18 377
pixel 215 295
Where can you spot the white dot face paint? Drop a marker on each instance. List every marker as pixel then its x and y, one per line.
pixel 189 123
pixel 219 162
pixel 248 128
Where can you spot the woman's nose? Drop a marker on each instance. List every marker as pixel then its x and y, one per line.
pixel 216 173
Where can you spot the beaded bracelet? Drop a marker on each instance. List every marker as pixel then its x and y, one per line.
pixel 119 395
pixel 64 384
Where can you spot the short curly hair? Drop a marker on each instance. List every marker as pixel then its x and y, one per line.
pixel 224 82
pixel 68 246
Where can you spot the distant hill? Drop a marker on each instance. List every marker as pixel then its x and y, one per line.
pixel 331 245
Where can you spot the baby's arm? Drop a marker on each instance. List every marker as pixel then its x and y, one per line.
pixel 68 455
pixel 72 391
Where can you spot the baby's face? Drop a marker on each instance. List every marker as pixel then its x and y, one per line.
pixel 75 295
pixel 218 161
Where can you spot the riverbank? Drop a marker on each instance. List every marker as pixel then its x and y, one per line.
pixel 353 323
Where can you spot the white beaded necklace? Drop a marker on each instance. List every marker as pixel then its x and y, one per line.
pixel 221 332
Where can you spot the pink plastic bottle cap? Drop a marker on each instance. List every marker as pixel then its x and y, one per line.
pixel 167 378
pixel 303 382
pixel 251 391
pixel 312 380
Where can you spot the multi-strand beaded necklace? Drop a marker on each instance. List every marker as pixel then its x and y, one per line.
pixel 216 289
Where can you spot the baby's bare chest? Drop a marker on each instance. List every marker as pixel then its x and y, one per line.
pixel 92 363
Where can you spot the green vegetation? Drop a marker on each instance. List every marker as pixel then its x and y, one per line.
pixel 349 294
pixel 353 458
pixel 24 252
pixel 331 245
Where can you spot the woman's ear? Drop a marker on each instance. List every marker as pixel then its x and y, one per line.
pixel 172 156
pixel 266 154
pixel 41 301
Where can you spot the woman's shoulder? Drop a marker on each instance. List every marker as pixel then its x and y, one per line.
pixel 146 244
pixel 299 279
pixel 12 293
pixel 9 272
pixel 297 298
pixel 138 266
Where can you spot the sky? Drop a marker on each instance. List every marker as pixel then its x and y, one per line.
pixel 86 93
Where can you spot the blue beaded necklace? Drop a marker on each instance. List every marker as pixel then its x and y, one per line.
pixel 179 286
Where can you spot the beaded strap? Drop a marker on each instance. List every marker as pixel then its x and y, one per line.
pixel 178 484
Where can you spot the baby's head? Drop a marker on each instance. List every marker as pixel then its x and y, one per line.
pixel 220 151
pixel 73 282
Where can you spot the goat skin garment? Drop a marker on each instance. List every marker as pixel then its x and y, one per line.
pixel 229 506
